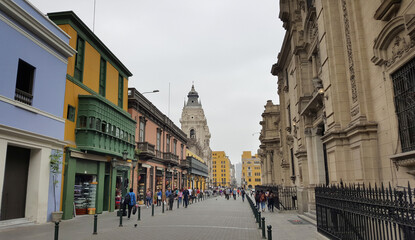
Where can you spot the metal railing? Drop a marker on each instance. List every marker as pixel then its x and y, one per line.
pixel 285 197
pixel 359 212
pixel 23 97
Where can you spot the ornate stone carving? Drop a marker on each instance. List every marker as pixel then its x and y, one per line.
pixel 349 51
pixel 355 111
pixel 400 47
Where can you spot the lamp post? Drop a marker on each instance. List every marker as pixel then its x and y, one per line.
pixel 193 178
pixel 175 178
pixel 154 91
pixel 134 162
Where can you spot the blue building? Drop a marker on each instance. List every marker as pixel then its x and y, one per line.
pixel 33 61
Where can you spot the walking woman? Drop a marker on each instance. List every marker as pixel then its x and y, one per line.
pixel 149 197
pixel 262 200
pixel 180 196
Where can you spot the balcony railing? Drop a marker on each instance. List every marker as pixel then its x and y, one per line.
pixel 23 97
pixel 146 147
pixel 171 157
pixel 158 154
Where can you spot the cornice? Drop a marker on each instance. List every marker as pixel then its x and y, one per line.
pixel 33 25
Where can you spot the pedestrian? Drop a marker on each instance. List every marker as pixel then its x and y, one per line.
pixel 186 197
pixel 234 194
pixel 257 195
pixel 149 197
pixel 190 195
pixel 130 201
pixel 262 200
pixel 170 197
pixel 271 201
pixel 180 196
pixel 168 193
pixel 243 194
pixel 159 194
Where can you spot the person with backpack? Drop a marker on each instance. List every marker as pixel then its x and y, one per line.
pixel 129 201
pixel 243 194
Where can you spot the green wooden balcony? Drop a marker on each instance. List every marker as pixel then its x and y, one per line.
pixel 103 127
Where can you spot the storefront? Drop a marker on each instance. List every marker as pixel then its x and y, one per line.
pixel 159 179
pixel 92 184
pixel 141 183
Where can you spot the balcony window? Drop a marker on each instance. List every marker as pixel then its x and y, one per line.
pixel 24 82
pixel 117 132
pixel 82 122
pixel 98 124
pixel 168 144
pixel 104 127
pixel 109 128
pixel 141 130
pixel 114 130
pixel 92 122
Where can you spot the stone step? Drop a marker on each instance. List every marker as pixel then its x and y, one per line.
pixel 18 222
pixel 311 215
pixel 308 219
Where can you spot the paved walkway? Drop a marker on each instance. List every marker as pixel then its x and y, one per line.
pixel 209 219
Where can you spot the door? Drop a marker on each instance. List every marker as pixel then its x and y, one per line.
pixel 13 203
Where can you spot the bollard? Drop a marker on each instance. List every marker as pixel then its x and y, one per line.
pixel 178 204
pixel 259 220
pixel 152 209
pixel 121 218
pixel 256 215
pixel 263 227
pixel 162 207
pixel 139 213
pixel 56 230
pixel 269 232
pixel 95 224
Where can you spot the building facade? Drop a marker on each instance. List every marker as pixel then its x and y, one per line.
pixel 34 56
pixel 194 124
pixel 197 172
pixel 161 148
pixel 251 170
pixel 275 167
pixel 98 129
pixel 346 81
pixel 221 169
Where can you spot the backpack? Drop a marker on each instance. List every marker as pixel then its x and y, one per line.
pixel 127 199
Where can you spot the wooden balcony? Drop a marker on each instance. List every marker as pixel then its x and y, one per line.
pixel 146 150
pixel 171 158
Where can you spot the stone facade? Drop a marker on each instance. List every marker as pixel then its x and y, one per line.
pixel 346 82
pixel 194 124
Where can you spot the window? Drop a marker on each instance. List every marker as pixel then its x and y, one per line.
pixel 168 144
pixel 79 59
pixel 24 82
pixel 71 113
pixel 109 128
pixel 117 132
pixel 404 90
pixel 92 122
pixel 82 122
pixel 122 134
pixel 292 162
pixel 192 133
pixel 114 129
pixel 181 151
pixel 104 127
pixel 98 124
pixel 158 139
pixel 120 90
pixel 175 147
pixel 249 180
pixel 102 77
pixel 142 127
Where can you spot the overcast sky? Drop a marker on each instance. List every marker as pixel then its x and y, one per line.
pixel 227 47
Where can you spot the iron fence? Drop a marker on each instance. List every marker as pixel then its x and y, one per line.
pixel 285 197
pixel 359 212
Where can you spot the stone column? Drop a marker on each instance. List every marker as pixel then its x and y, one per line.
pixel 318 155
pixel 309 146
pixel 269 170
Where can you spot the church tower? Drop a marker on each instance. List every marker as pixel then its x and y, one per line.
pixel 194 124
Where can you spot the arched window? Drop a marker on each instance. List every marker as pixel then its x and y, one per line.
pixel 192 133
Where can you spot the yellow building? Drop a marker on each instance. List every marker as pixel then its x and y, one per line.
pixel 99 130
pixel 251 170
pixel 221 166
pixel 197 171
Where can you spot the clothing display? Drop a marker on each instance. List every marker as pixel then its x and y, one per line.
pixel 85 198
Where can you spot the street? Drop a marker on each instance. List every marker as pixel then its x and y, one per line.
pixel 214 218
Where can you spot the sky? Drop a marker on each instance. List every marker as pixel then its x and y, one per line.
pixel 225 47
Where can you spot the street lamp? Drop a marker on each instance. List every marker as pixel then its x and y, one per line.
pixel 124 155
pixel 193 178
pixel 134 162
pixel 154 91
